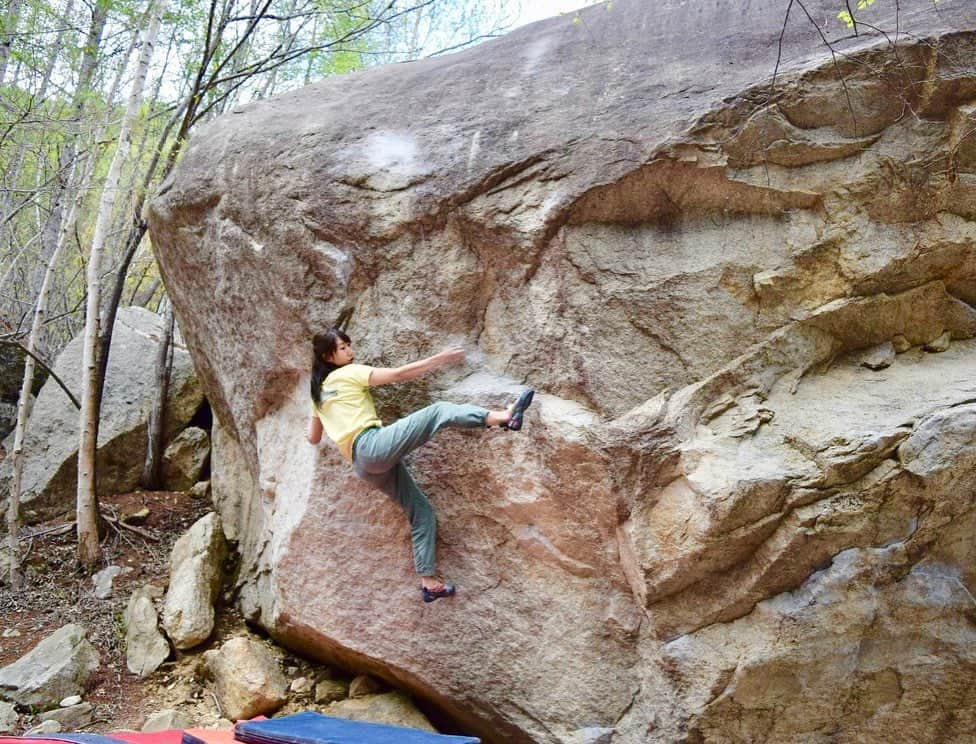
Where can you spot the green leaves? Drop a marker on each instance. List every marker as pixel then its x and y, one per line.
pixel 847 18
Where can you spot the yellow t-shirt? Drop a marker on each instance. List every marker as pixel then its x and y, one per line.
pixel 345 406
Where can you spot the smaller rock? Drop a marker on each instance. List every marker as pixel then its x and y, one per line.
pixel 393 708
pixel 330 691
pixel 201 490
pixel 185 458
pixel 878 357
pixel 248 679
pixel 72 717
pixel 900 344
pixel 8 718
pixel 45 727
pixel 166 720
pixel 364 685
pixel 104 578
pixel 139 516
pixel 69 701
pixel 301 685
pixel 145 645
pixel 940 344
pixel 10 633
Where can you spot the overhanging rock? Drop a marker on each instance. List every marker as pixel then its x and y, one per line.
pixel 688 261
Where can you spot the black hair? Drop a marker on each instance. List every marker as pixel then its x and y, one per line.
pixel 324 345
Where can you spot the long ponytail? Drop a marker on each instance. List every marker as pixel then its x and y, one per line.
pixel 324 345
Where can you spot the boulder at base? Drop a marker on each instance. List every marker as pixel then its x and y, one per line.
pixel 51 446
pixel 717 524
pixel 247 677
pixel 195 575
pixel 57 667
pixel 166 720
pixel 393 708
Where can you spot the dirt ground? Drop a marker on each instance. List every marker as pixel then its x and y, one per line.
pixel 56 593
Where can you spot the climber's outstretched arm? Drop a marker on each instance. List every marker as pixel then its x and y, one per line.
pixel 386 375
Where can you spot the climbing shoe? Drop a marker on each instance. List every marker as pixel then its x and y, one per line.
pixel 445 590
pixel 518 410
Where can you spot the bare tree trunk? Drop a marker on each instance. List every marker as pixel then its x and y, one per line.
pixel 87 504
pixel 157 414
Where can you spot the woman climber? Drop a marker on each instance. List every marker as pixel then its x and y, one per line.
pixel 344 409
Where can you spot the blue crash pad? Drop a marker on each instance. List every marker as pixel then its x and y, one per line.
pixel 314 728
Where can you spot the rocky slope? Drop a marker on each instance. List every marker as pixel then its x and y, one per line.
pixel 740 508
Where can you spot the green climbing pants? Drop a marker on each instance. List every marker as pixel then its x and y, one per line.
pixel 376 458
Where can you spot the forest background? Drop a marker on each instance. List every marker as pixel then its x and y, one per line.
pixel 97 101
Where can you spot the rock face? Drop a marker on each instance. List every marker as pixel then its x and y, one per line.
pixel 51 446
pixel 247 677
pixel 194 582
pixel 718 524
pixel 57 667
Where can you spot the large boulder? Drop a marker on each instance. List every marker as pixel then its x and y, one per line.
pixel 51 447
pixel 57 667
pixel 195 577
pixel 718 524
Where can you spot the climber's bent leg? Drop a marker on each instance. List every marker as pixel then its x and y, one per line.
pixel 379 450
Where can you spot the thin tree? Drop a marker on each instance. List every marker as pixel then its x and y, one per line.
pixel 87 499
pixel 152 466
